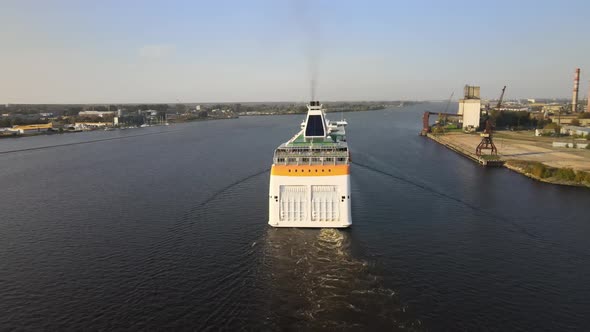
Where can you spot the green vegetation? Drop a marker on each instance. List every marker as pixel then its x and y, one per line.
pixel 9 122
pixel 454 130
pixel 296 108
pixel 444 128
pixel 515 120
pixel 553 126
pixel 542 171
pixel 437 130
pixel 539 170
pixel 453 127
pixel 583 177
pixel 490 157
pixel 359 106
pixel 567 174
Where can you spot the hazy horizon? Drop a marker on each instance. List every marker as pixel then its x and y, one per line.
pixel 455 99
pixel 70 52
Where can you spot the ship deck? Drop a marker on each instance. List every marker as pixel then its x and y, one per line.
pixel 299 140
pixel 316 151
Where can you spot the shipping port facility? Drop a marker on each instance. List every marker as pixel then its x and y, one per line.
pixel 548 140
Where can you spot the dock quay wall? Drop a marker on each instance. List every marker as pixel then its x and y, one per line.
pixel 468 154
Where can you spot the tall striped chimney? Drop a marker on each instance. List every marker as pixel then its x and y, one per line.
pixel 576 87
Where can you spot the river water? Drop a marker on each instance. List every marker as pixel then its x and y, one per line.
pixel 165 228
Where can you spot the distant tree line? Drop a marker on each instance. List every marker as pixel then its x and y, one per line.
pixel 286 108
pixel 514 120
pixel 17 121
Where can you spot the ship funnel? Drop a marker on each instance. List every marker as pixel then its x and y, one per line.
pixel 315 123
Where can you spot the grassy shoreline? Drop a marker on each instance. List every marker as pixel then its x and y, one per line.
pixel 541 172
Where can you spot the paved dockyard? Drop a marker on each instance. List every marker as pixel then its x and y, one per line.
pixel 523 145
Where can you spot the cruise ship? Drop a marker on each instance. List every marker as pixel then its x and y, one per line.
pixel 310 175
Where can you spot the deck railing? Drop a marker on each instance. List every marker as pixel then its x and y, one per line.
pixel 295 159
pixel 334 155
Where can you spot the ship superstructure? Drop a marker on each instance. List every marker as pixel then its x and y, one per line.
pixel 310 175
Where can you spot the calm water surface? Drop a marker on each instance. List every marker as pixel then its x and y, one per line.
pixel 165 228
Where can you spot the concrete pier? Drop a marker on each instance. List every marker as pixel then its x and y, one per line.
pixel 482 160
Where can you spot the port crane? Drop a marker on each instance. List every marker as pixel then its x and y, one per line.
pixel 499 104
pixel 426 117
pixel 486 140
pixel 449 101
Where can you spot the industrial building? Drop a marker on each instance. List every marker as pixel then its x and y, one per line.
pixel 32 129
pixel 100 114
pixel 551 108
pixel 575 130
pixel 470 107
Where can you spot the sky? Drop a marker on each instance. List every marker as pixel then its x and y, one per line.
pixel 131 51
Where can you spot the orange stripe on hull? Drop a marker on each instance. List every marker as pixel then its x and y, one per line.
pixel 310 170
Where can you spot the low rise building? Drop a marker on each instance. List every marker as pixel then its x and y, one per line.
pixel 90 125
pixel 515 109
pixel 566 119
pixel 7 132
pixel 32 129
pixel 100 114
pixel 552 108
pixel 575 130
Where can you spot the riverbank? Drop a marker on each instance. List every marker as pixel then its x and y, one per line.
pixel 58 128
pixel 532 156
pixel 540 172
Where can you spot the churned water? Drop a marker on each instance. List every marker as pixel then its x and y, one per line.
pixel 165 228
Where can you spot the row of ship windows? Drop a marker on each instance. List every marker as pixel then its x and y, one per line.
pixel 305 160
pixel 309 170
pixel 307 149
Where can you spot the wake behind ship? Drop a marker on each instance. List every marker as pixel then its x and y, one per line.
pixel 310 175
